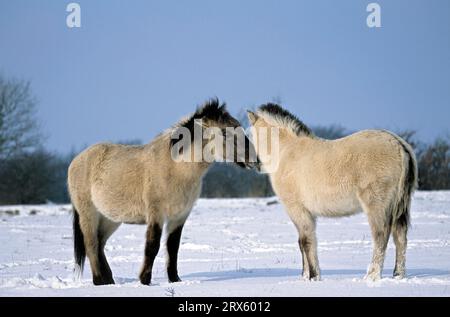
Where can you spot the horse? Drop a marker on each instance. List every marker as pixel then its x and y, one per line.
pixel 110 184
pixel 374 171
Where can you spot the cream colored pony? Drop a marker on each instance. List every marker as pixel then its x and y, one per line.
pixel 373 170
pixel 110 184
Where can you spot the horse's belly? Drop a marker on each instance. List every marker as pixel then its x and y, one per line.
pixel 119 208
pixel 332 206
pixel 126 214
pixel 137 218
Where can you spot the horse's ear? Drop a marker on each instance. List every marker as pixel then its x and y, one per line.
pixel 252 116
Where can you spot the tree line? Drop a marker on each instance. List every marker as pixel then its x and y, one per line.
pixel 31 174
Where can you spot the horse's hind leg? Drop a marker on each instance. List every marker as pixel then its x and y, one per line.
pixel 380 218
pixel 399 232
pixel 89 223
pixel 105 229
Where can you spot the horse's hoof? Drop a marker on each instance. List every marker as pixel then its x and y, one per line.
pixel 145 282
pixel 372 277
pixel 399 275
pixel 174 279
pixel 313 278
pixel 98 280
pixel 145 279
pixel 308 276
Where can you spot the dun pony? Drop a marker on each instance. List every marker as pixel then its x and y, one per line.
pixel 373 170
pixel 110 184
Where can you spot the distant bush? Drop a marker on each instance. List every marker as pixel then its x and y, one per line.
pixel 228 180
pixel 40 176
pixel 434 165
pixel 31 178
pixel 433 161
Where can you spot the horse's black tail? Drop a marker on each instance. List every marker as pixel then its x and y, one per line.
pixel 408 184
pixel 78 244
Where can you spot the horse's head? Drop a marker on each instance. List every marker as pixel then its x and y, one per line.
pixel 263 133
pixel 271 124
pixel 215 135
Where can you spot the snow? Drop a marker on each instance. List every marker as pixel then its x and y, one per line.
pixel 230 247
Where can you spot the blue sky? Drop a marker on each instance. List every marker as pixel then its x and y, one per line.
pixel 136 67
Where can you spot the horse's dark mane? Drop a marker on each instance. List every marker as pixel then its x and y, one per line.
pixel 276 111
pixel 210 110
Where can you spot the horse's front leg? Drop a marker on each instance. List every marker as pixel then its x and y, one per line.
pixel 174 231
pixel 305 263
pixel 306 225
pixel 154 231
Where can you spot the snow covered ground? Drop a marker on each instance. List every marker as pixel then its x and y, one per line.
pixel 230 247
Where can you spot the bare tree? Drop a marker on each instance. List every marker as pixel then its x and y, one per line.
pixel 18 128
pixel 410 136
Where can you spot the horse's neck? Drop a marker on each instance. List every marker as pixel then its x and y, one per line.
pixel 191 169
pixel 288 139
pixel 187 170
pixel 287 142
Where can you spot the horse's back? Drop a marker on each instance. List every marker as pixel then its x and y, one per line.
pixel 351 158
pixel 90 162
pixel 328 176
